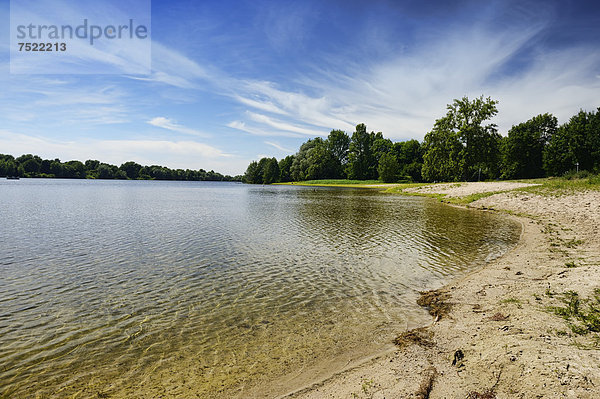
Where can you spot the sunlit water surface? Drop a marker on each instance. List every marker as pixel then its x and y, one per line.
pixel 196 289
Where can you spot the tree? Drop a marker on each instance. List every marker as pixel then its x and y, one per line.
pixel 361 162
pixel 30 163
pixel 478 145
pixel 132 169
pixel 410 158
pixel 74 170
pixel 577 141
pixel 285 165
pixel 253 174
pixel 271 171
pixel 56 168
pixel 8 167
pixel 443 150
pixel 338 144
pixel 313 161
pixel 105 171
pixel 523 148
pixel 388 168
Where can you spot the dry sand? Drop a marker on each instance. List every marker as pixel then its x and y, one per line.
pixel 464 189
pixel 513 346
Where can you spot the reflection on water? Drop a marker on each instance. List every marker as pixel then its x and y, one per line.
pixel 143 289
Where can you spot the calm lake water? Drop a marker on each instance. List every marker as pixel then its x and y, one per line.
pixel 196 289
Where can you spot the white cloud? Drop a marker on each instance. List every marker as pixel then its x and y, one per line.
pixel 403 95
pixel 280 125
pixel 168 124
pixel 279 147
pixel 174 154
pixel 258 130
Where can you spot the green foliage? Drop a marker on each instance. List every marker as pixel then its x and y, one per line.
pixel 522 150
pixel 361 160
pixel 459 147
pixel 253 174
pixel 577 141
pixel 29 165
pixel 314 161
pixel 410 158
pixel 442 159
pixel 131 169
pixel 388 168
pixel 338 144
pixel 582 315
pixel 338 182
pixel 271 171
pixel 285 166
pixel 265 171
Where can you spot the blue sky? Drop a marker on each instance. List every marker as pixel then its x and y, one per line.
pixel 232 81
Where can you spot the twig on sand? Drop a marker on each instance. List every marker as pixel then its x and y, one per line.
pixel 427 385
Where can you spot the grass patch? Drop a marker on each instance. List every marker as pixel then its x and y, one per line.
pixel 582 315
pixel 339 183
pixel 570 265
pixel 554 186
pixel 573 243
pixel 467 199
pixel 511 300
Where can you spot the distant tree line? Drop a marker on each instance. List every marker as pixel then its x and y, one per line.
pixel 462 146
pixel 29 165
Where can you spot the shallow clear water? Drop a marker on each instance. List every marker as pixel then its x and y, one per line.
pixel 143 289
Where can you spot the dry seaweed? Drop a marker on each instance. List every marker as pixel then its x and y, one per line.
pixel 436 303
pixel 419 336
pixel 489 394
pixel 498 317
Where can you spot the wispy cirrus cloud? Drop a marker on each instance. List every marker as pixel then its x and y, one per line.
pixel 279 147
pixel 257 130
pixel 166 123
pixel 402 94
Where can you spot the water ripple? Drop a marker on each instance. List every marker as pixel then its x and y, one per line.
pixel 134 288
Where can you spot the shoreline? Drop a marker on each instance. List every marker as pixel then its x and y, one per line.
pixel 499 333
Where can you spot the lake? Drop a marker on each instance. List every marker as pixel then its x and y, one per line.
pixel 207 289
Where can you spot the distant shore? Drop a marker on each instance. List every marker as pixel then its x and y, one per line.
pixel 518 327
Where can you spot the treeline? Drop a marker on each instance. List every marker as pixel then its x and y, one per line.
pixel 29 165
pixel 462 146
pixel 362 156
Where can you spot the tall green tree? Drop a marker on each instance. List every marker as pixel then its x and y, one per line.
pixel 253 174
pixel 271 171
pixel 338 144
pixel 314 161
pixel 577 141
pixel 479 143
pixel 131 169
pixel 388 168
pixel 285 166
pixel 523 148
pixel 410 158
pixel 443 153
pixel 8 167
pixel 362 164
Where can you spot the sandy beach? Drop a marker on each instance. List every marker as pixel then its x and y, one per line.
pixel 500 337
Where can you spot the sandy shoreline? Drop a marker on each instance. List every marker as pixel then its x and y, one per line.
pixel 513 347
